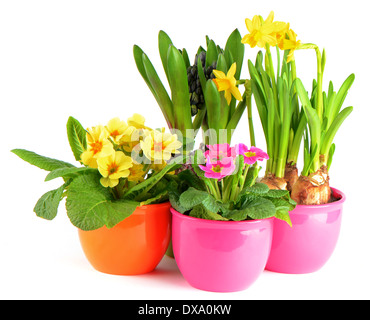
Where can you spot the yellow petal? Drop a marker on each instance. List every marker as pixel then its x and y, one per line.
pixel 281 26
pixel 219 74
pixel 106 182
pixel 271 40
pixel 249 25
pixel 236 93
pixel 228 96
pixel 88 159
pixel 120 174
pixel 270 18
pixel 222 84
pixel 256 22
pixel 232 70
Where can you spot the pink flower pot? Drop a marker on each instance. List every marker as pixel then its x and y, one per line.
pixel 220 256
pixel 308 245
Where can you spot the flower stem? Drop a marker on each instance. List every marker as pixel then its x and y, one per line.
pixel 248 89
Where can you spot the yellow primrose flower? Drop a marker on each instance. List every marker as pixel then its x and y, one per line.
pixel 136 173
pixel 158 166
pixel 158 146
pixel 114 167
pixel 290 44
pixel 132 138
pixel 260 32
pixel 137 121
pixel 227 83
pixel 98 146
pixel 117 129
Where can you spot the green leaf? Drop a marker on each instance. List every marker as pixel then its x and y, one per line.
pixel 47 206
pixel 236 48
pixel 212 205
pixel 260 208
pixel 145 186
pixel 311 114
pixel 277 193
pixel 41 162
pixel 284 216
pixel 342 94
pixel 185 56
pixel 76 137
pixel 164 42
pixel 258 188
pixel 67 172
pixel 201 212
pixel 213 103
pixel 330 156
pixel 158 198
pixel 138 56
pixel 159 91
pixel 178 80
pixel 202 77
pixel 236 215
pixel 192 179
pixel 91 206
pixel 221 63
pixel 212 53
pixel 252 175
pixel 192 197
pixel 174 197
pixel 330 134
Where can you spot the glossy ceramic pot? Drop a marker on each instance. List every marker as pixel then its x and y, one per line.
pixel 134 246
pixel 308 245
pixel 220 256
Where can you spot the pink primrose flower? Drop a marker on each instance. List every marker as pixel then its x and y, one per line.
pixel 252 154
pixel 220 151
pixel 218 169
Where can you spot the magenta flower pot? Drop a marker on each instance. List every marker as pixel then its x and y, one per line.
pixel 308 245
pixel 220 256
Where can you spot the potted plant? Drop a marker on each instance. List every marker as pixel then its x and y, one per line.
pixel 316 220
pixel 222 222
pixel 118 199
pixel 195 102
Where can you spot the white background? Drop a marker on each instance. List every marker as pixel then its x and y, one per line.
pixel 62 58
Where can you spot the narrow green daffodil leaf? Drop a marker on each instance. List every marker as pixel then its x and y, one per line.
pixel 342 94
pixel 330 134
pixel 312 117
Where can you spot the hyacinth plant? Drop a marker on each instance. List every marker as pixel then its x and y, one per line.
pixel 199 97
pixel 223 187
pixel 283 120
pixel 125 165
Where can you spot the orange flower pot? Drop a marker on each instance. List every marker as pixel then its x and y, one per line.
pixel 134 246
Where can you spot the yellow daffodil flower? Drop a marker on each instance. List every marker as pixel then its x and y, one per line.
pixel 98 146
pixel 114 167
pixel 117 129
pixel 260 32
pixel 290 44
pixel 158 146
pixel 227 83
